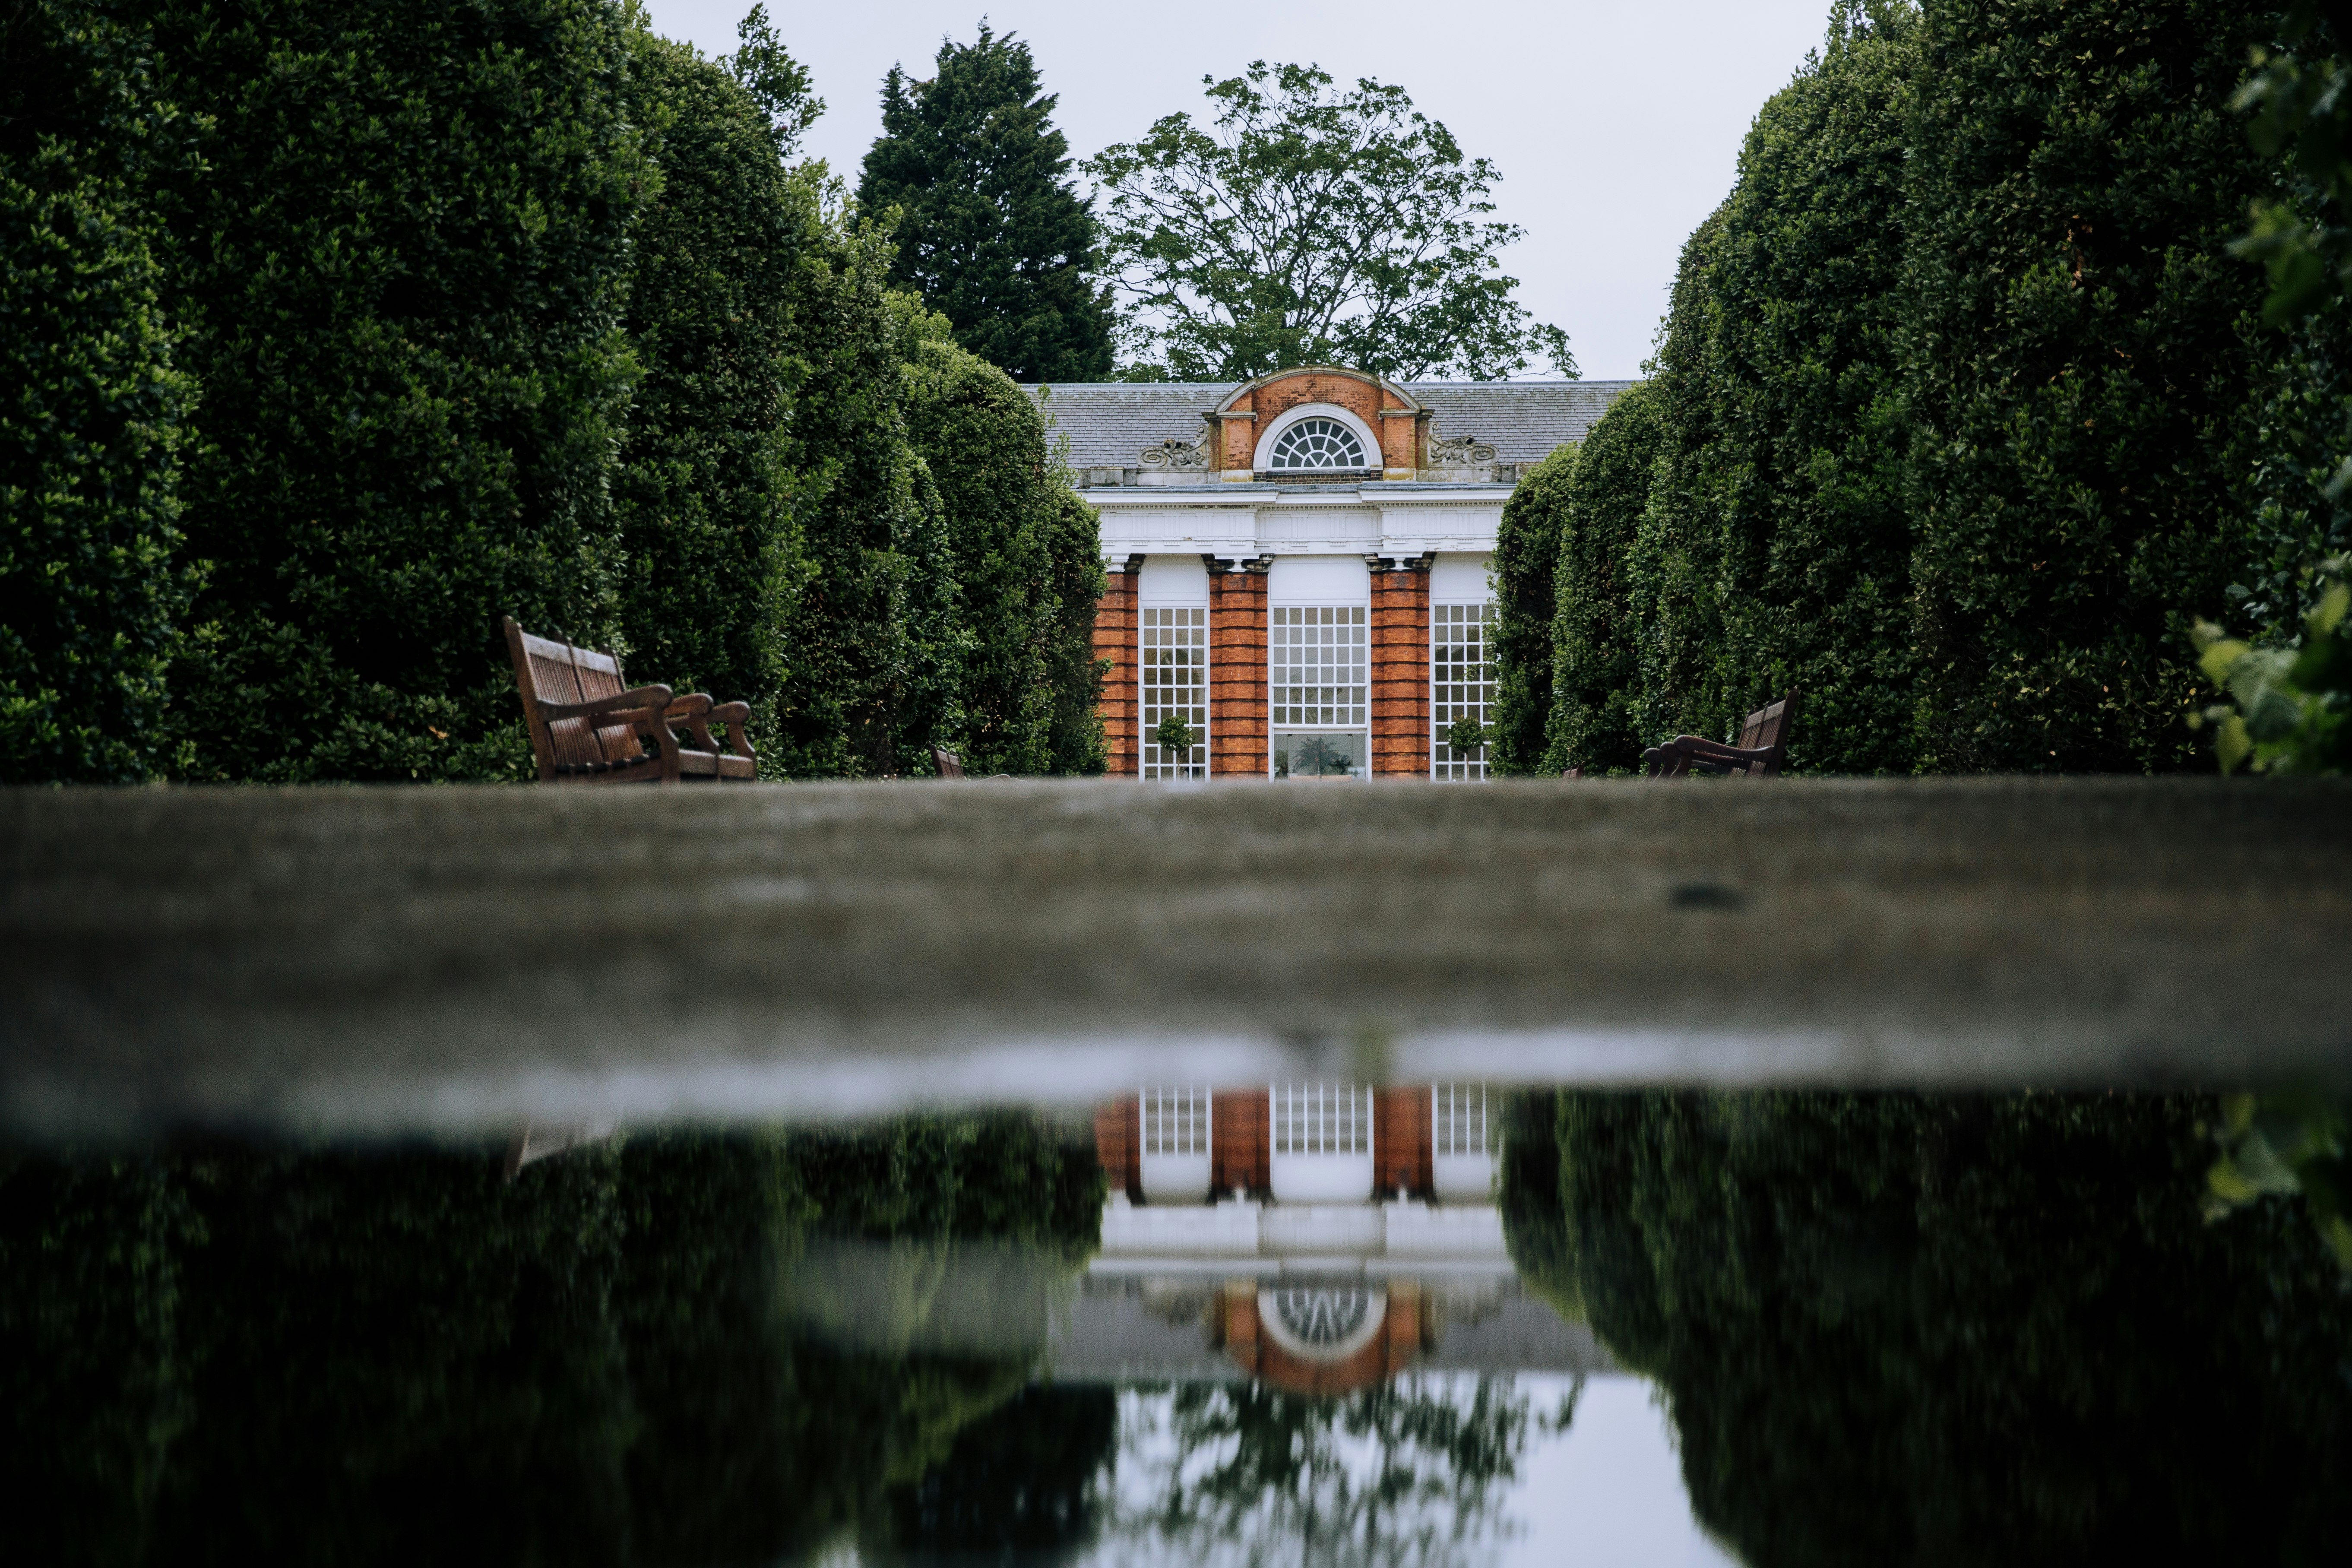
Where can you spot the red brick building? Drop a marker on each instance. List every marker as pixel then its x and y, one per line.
pixel 1297 565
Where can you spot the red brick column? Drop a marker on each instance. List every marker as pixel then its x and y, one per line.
pixel 1400 1133
pixel 1400 650
pixel 1238 1146
pixel 1117 627
pixel 1237 673
pixel 1118 1133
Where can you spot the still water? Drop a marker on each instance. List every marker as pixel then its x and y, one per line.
pixel 1663 1327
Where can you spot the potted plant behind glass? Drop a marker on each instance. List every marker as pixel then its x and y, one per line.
pixel 1175 738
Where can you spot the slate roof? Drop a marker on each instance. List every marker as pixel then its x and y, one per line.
pixel 1110 422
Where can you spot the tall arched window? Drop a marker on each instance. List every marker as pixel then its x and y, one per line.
pixel 1317 443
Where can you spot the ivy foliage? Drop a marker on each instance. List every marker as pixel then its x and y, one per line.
pixel 96 410
pixel 991 233
pixel 1897 1328
pixel 704 490
pixel 399 269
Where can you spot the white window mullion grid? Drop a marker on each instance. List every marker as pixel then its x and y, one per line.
pixel 1322 1118
pixel 1458 1119
pixel 1319 659
pixel 1460 684
pixel 1175 679
pixel 1175 1120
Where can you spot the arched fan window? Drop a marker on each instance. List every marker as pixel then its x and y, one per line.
pixel 1321 1317
pixel 1319 442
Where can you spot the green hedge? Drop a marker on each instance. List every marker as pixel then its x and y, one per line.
pixel 95 410
pixel 875 644
pixel 705 489
pixel 1960 410
pixel 1590 725
pixel 399 267
pixel 1527 547
pixel 1895 1328
pixel 2081 360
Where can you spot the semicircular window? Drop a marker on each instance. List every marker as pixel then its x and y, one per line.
pixel 1321 1317
pixel 1317 443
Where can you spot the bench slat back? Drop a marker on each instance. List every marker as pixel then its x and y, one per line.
pixel 551 671
pixel 1767 726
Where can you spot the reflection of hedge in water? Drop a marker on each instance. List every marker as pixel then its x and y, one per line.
pixel 1969 1330
pixel 397 1356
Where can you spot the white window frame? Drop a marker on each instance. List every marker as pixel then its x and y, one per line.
pixel 1154 703
pixel 1176 1139
pixel 1344 616
pixel 1262 455
pixel 1319 1141
pixel 1445 709
pixel 1462 1142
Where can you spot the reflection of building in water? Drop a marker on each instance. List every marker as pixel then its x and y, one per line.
pixel 1320 1236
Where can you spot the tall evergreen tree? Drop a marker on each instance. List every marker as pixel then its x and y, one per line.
pixel 991 233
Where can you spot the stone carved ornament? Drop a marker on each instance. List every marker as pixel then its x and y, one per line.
pixel 1174 454
pixel 1459 452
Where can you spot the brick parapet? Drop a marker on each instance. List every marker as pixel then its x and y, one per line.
pixel 1237 673
pixel 1400 674
pixel 1117 629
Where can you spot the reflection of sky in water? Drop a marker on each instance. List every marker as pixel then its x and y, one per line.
pixel 1605 1490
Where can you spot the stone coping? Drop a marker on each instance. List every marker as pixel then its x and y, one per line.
pixel 404 957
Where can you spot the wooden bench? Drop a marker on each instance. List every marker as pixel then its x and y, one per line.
pixel 588 726
pixel 950 765
pixel 1763 747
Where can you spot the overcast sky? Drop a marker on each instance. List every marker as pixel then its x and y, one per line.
pixel 1616 126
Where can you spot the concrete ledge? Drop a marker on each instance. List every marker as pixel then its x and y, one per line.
pixel 393 958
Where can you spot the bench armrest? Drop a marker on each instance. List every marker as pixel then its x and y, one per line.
pixel 654 699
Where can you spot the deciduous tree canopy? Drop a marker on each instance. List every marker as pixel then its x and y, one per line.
pixel 1309 224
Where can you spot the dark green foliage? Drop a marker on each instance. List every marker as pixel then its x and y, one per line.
pixel 703 493
pixel 1673 569
pixel 1959 405
pixel 1895 1328
pixel 94 414
pixel 2079 355
pixel 1021 1480
pixel 397 1355
pixel 1075 740
pixel 875 645
pixel 1527 550
pixel 991 233
pixel 400 270
pixel 984 443
pixel 1806 460
pixel 1595 675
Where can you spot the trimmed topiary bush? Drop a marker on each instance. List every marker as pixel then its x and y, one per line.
pixel 1594 670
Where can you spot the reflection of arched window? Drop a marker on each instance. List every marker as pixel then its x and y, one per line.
pixel 1317 443
pixel 1323 1317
